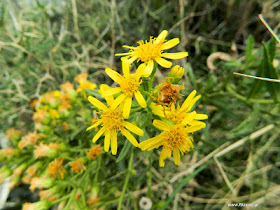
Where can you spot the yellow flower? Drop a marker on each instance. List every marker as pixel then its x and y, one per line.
pixel 174 138
pixel 150 51
pixel 112 121
pixel 129 84
pixel 177 115
pixel 85 84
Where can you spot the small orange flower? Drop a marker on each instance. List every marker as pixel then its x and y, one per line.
pixel 80 77
pixel 56 168
pixel 65 126
pixel 31 171
pixel 20 169
pixel 77 166
pixel 11 132
pixel 39 115
pixel 66 87
pixel 26 179
pixel 8 151
pixel 29 139
pixel 78 195
pixel 94 152
pixel 50 194
pixel 38 182
pixel 92 200
pixel 44 150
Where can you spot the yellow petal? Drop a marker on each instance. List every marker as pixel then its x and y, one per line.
pixel 188 118
pixel 109 99
pixel 114 75
pixel 161 37
pixel 148 69
pixel 132 59
pixel 140 99
pixel 107 141
pixel 129 47
pixel 194 128
pixel 188 100
pixel 149 143
pixel 114 143
pixel 133 128
pixel 130 137
pixel 111 91
pixel 125 68
pixel 171 43
pixel 176 155
pixel 155 145
pixel 166 152
pixel 201 117
pixel 164 63
pixel 97 103
pixel 127 107
pixel 157 109
pixel 178 55
pixel 139 72
pixel 161 125
pixel 195 122
pixel 94 125
pixel 122 54
pixel 192 103
pixel 99 133
pixel 118 100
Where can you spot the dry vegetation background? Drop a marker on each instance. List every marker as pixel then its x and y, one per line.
pixel 45 43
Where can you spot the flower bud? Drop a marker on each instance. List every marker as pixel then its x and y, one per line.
pixel 177 72
pixel 42 205
pixel 4 173
pixel 38 182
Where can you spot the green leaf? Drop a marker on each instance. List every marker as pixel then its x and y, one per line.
pixel 124 151
pixel 93 93
pixel 270 71
pixel 249 49
pixel 189 70
pixel 184 182
pixel 271 46
pixel 246 125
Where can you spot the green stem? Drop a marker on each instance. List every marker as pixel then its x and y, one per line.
pixel 149 193
pixel 152 77
pixel 126 180
pixel 61 199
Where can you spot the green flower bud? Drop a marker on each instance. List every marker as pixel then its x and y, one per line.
pixel 177 72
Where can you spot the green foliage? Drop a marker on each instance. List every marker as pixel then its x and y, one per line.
pixel 44 44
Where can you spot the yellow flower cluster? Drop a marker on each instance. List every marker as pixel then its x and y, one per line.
pixel 176 123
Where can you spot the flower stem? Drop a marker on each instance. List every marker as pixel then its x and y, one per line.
pixel 126 180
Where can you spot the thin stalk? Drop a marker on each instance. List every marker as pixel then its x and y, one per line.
pixel 126 180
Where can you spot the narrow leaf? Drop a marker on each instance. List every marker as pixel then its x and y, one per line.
pixel 184 182
pixel 249 50
pixel 124 151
